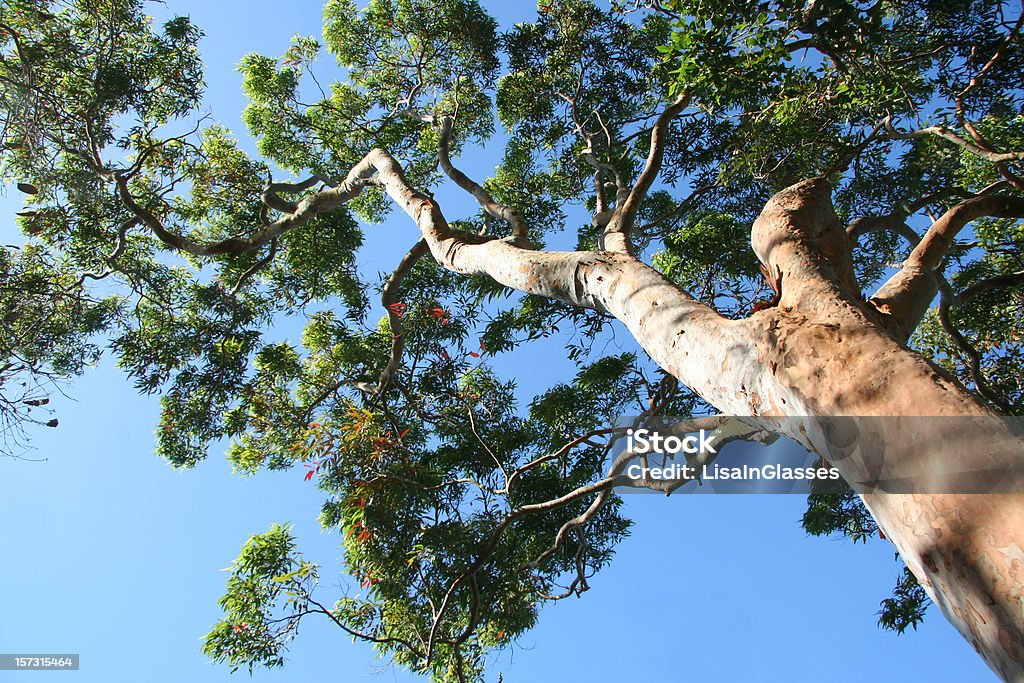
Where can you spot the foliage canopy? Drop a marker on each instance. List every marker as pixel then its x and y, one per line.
pixel 463 510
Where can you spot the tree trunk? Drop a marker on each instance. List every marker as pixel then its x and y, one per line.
pixel 823 351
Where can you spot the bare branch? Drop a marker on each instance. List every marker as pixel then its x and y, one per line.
pixel 476 434
pixel 307 209
pixel 893 223
pixel 495 538
pixel 995 282
pixel 974 357
pixel 270 192
pixel 946 134
pixel 356 634
pixel 904 298
pixel 996 56
pixel 389 298
pixel 520 233
pixel 617 232
pixel 563 451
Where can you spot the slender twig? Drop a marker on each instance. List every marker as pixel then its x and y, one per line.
pixel 974 357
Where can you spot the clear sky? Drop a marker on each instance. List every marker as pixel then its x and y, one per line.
pixel 109 553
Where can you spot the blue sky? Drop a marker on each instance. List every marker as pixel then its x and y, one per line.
pixel 111 554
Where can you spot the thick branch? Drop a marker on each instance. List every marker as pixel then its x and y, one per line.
pixel 666 320
pixel 798 236
pixel 905 297
pixel 892 223
pixel 271 199
pixel 895 220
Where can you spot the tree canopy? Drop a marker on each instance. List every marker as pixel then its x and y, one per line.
pixel 655 129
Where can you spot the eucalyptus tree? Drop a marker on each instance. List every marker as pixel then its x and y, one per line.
pixel 857 147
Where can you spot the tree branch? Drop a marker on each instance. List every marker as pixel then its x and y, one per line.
pixel 905 297
pixel 256 267
pixel 389 299
pixel 520 233
pixel 995 282
pixel 621 224
pixel 301 213
pixel 974 357
pixel 996 56
pixel 946 134
pixel 270 198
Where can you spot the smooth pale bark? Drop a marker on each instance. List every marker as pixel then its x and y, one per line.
pixel 822 351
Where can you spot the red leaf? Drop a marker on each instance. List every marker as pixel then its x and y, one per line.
pixel 398 308
pixel 444 354
pixel 402 435
pixel 309 475
pixel 474 354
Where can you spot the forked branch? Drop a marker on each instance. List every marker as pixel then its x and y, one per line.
pixel 905 297
pixel 487 203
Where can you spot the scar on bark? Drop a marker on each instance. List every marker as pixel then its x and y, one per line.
pixel 774 281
